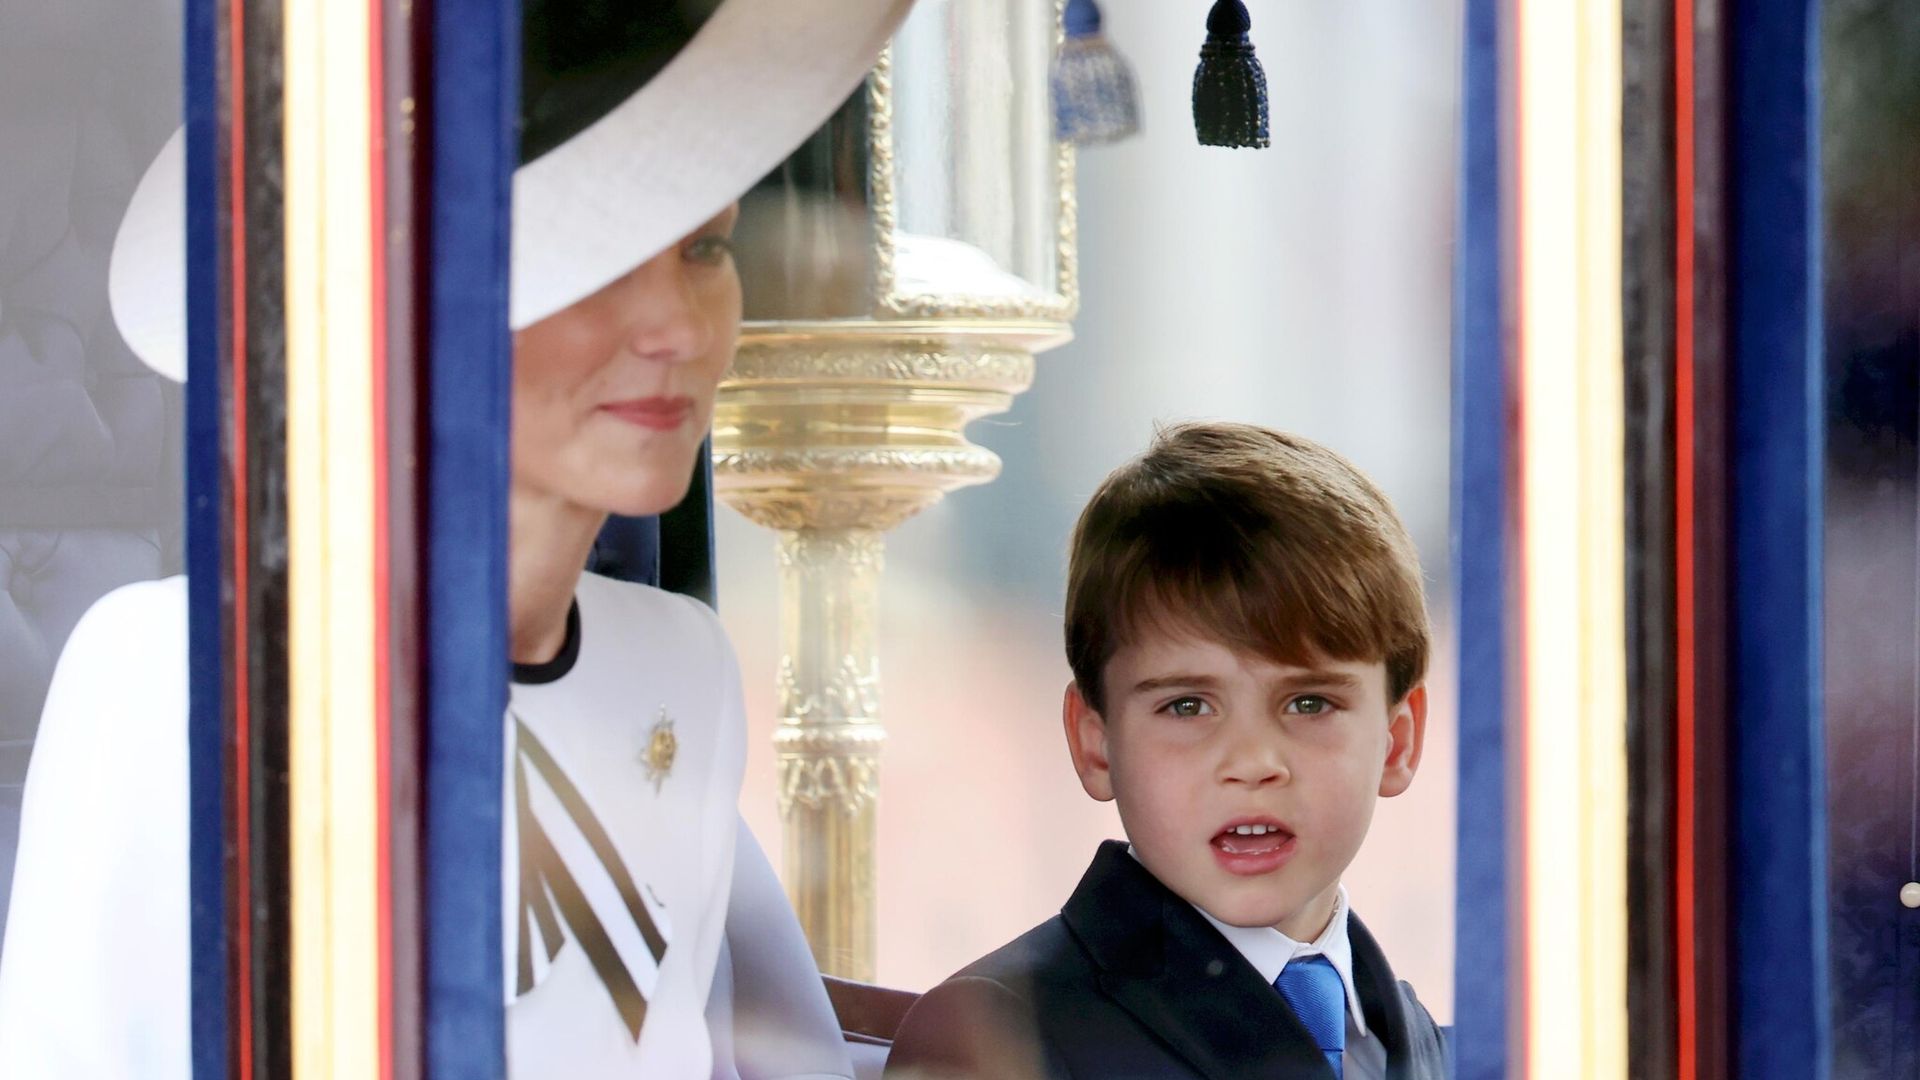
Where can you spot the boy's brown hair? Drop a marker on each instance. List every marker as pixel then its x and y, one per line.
pixel 1267 542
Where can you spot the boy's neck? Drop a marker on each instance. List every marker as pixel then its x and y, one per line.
pixel 1312 919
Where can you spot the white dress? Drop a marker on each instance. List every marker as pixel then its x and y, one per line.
pixel 94 970
pixel 651 667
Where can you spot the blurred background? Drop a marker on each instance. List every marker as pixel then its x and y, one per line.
pixel 90 483
pixel 1305 287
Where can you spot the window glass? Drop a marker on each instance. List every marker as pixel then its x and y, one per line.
pixel 1305 287
pixel 89 437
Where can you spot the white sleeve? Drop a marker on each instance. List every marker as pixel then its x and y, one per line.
pixel 720 803
pixel 94 970
pixel 783 1024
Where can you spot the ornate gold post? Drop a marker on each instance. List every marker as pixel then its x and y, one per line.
pixel 830 735
pixel 890 306
pixel 833 436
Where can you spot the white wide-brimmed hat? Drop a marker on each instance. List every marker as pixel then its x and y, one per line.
pixel 638 122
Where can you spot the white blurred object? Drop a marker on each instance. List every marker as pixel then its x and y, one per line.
pixel 940 265
pixel 146 277
pixel 94 973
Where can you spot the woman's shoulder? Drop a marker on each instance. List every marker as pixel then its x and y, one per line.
pixel 152 614
pixel 600 590
pixel 126 655
pixel 109 762
pixel 658 620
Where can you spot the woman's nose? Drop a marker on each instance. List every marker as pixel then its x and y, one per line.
pixel 662 311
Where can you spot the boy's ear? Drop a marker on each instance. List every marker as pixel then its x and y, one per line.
pixel 1406 736
pixel 1087 742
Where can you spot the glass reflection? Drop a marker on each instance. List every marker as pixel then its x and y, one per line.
pixel 974 170
pixel 90 496
pixel 937 188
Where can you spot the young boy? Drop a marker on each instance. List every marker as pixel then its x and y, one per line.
pixel 1248 640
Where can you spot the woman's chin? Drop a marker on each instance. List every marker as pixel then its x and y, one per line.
pixel 644 501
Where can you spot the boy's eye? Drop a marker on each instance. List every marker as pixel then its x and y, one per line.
pixel 1187 707
pixel 709 250
pixel 1309 705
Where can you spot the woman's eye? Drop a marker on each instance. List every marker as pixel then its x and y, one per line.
pixel 1310 705
pixel 709 250
pixel 1187 707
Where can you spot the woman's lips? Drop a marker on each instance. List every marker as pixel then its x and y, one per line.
pixel 654 413
pixel 1248 856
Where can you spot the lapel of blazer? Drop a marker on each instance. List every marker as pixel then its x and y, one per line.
pixel 1380 998
pixel 1173 971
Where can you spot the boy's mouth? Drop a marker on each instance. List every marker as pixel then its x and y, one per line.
pixel 1253 846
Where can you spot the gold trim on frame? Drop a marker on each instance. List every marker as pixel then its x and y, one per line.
pixel 335 991
pixel 1574 843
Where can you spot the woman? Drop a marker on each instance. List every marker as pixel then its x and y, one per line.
pixel 617 845
pixel 623 850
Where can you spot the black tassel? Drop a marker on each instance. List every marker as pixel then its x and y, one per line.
pixel 1229 88
pixel 1094 100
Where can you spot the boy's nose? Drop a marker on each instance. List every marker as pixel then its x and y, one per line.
pixel 1254 764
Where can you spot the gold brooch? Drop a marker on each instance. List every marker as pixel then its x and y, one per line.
pixel 661 747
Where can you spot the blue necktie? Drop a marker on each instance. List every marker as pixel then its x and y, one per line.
pixel 1314 991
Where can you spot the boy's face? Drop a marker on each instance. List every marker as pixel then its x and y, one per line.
pixel 1199 741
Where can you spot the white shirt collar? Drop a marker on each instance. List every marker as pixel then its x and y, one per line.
pixel 1270 951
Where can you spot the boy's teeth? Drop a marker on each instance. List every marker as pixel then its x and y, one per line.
pixel 1253 830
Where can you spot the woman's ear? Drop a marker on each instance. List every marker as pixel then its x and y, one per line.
pixel 1406 736
pixel 1087 742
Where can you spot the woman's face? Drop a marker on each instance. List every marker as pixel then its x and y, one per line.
pixel 613 395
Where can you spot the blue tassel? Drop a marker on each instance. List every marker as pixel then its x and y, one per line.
pixel 1229 86
pixel 1094 100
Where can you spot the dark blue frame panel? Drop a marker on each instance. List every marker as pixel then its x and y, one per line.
pixel 1482 554
pixel 1781 1022
pixel 206 524
pixel 687 560
pixel 475 98
pixel 672 551
pixel 628 548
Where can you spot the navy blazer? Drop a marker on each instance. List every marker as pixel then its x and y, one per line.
pixel 1129 980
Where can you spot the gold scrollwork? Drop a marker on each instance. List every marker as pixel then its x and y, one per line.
pixel 1006 370
pixel 883 204
pixel 851 693
pixel 833 552
pixel 844 489
pixel 961 464
pixel 793 511
pixel 848 783
pixel 854 689
pixel 829 740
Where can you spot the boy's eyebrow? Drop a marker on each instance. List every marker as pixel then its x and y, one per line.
pixel 1311 678
pixel 1165 682
pixel 1331 680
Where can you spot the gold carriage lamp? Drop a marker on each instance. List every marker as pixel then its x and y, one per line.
pixel 901 270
